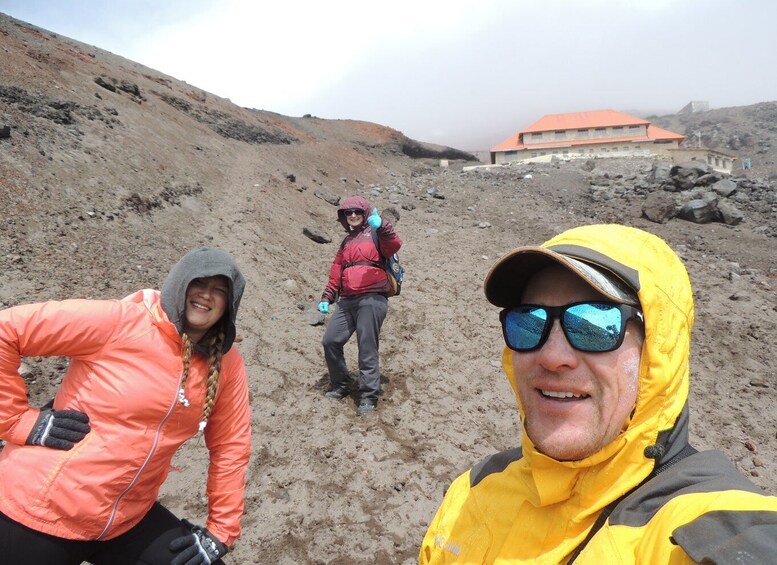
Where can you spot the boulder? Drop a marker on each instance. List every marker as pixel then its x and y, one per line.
pixel 659 174
pixel 724 187
pixel 730 214
pixel 659 207
pixel 699 211
pixel 686 174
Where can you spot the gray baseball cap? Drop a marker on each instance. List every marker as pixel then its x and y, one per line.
pixel 505 282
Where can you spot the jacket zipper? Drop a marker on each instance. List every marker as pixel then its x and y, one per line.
pixel 145 462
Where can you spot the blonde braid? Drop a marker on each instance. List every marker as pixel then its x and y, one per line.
pixel 214 363
pixel 186 353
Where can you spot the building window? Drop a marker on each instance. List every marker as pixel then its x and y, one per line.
pixel 542 153
pixel 536 135
pixel 634 127
pixel 534 154
pixel 560 134
pixel 600 132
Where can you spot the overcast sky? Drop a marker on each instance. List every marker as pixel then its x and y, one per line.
pixel 464 74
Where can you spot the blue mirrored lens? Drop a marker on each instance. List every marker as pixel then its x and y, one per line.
pixel 588 326
pixel 592 327
pixel 524 327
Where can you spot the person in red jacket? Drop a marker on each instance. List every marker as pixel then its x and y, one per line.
pixel 359 285
pixel 79 478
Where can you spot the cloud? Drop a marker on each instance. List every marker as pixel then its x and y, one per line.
pixel 455 72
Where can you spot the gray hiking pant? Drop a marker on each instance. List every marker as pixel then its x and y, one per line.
pixel 363 314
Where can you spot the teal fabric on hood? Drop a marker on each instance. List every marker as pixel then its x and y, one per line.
pixel 200 263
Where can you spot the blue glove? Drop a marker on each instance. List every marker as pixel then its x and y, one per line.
pixel 196 547
pixel 374 219
pixel 323 307
pixel 59 429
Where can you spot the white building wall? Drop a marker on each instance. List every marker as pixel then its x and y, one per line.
pixel 584 134
pixel 718 161
pixel 588 151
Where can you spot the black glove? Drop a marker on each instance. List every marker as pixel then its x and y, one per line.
pixel 59 429
pixel 197 547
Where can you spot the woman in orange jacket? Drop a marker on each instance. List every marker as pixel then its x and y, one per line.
pixel 79 478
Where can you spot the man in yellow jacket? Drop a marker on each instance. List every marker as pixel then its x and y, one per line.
pixel 597 325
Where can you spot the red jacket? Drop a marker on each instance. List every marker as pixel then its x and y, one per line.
pixel 357 267
pixel 124 374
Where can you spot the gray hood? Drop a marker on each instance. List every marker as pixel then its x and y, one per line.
pixel 200 263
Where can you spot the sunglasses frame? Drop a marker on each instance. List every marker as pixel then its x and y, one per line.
pixel 353 212
pixel 627 312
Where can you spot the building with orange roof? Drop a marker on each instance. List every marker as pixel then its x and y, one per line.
pixel 600 133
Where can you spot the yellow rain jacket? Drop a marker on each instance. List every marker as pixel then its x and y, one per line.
pixel 681 506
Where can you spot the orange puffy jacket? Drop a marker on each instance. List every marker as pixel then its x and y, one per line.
pixel 125 372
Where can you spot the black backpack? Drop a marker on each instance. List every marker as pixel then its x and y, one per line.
pixel 394 269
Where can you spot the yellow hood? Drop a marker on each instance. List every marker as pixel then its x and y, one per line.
pixel 664 291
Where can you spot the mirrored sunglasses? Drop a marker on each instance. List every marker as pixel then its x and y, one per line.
pixel 353 212
pixel 595 327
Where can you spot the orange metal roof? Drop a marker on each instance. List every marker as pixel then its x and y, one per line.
pixel 583 120
pixel 586 120
pixel 655 132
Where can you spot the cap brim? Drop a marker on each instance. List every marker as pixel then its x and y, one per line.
pixel 505 282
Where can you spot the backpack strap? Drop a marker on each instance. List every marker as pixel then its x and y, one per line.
pixel 353 263
pixel 605 513
pixel 376 241
pixel 377 264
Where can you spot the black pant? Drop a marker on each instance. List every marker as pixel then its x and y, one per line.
pixel 145 544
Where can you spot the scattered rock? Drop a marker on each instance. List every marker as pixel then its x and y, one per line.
pixel 333 200
pixel 316 235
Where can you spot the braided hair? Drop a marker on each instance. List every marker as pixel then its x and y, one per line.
pixel 214 370
pixel 215 354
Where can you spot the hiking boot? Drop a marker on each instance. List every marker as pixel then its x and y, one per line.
pixel 365 407
pixel 336 393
